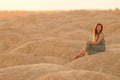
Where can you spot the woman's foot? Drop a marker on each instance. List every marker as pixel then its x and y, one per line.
pixel 77 56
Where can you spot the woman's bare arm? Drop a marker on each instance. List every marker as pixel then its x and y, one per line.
pixel 98 41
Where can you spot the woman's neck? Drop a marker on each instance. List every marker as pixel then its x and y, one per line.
pixel 98 32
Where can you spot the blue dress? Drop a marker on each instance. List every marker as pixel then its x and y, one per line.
pixel 95 48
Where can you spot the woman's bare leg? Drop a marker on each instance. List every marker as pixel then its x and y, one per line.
pixel 80 54
pixel 86 54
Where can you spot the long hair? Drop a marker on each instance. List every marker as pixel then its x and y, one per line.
pixel 95 31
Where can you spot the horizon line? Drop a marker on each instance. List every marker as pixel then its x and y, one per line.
pixel 63 10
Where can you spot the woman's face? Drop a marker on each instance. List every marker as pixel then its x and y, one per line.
pixel 98 28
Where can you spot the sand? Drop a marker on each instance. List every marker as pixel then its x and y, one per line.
pixel 40 45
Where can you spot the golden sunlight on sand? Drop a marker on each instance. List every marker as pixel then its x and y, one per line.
pixel 39 45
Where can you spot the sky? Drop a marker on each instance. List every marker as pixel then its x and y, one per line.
pixel 58 4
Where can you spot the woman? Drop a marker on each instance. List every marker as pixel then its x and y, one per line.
pixel 95 46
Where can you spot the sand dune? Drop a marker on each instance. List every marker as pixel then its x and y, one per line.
pixel 103 62
pixel 30 72
pixel 78 75
pixel 10 60
pixel 48 47
pixel 11 14
pixel 9 39
pixel 39 45
pixel 114 48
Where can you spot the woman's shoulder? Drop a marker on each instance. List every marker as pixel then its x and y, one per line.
pixel 101 34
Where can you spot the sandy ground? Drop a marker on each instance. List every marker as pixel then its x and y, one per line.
pixel 39 45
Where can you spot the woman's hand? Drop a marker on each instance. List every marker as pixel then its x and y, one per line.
pixel 98 41
pixel 89 42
